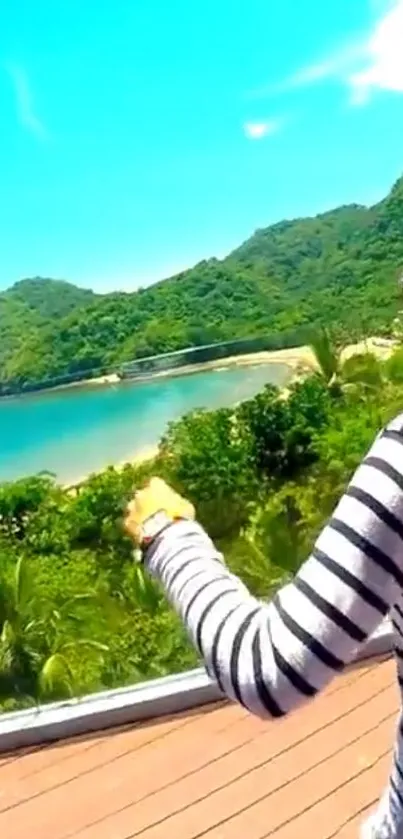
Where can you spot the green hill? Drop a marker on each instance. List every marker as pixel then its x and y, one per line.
pixel 338 269
pixel 48 298
pixel 28 310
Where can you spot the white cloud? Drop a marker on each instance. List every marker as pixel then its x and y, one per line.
pixel 24 102
pixel 333 65
pixel 383 68
pixel 372 62
pixel 258 130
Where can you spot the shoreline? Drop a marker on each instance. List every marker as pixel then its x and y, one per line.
pixel 295 358
pixel 137 459
pixel 292 358
pixel 299 359
pixel 108 379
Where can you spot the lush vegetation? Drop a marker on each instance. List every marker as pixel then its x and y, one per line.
pixel 77 615
pixel 339 268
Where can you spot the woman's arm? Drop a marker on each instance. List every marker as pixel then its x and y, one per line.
pixel 272 657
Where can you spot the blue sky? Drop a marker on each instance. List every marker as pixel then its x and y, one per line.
pixel 137 138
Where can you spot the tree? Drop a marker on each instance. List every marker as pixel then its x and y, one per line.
pixel 282 429
pixel 20 500
pixel 327 357
pixel 359 372
pixel 363 370
pixel 209 457
pixel 394 367
pixel 34 648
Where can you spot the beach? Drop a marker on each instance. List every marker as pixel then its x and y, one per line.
pixel 300 360
pixel 79 432
pixel 297 358
pixel 136 459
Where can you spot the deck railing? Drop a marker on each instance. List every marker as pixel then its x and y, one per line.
pixel 147 700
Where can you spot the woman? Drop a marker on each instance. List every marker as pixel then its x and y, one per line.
pixel 272 657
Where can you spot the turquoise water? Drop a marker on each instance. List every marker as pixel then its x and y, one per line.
pixel 77 431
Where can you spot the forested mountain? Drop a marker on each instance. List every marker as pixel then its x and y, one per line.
pixel 48 298
pixel 29 308
pixel 339 269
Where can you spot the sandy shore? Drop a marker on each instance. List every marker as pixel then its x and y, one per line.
pixel 299 359
pixel 136 459
pixel 97 381
pixel 382 348
pixel 148 453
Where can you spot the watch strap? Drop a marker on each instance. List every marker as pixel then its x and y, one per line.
pixel 152 528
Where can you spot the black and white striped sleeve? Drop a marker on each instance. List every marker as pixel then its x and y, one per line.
pixel 272 657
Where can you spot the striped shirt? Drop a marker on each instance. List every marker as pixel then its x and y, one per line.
pixel 271 657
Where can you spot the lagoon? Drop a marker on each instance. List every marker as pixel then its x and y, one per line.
pixel 76 431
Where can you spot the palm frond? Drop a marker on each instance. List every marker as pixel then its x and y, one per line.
pixel 56 677
pixel 326 354
pixel 22 583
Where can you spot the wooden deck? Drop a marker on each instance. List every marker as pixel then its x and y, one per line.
pixel 215 772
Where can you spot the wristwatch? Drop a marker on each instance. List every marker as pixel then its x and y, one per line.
pixel 151 528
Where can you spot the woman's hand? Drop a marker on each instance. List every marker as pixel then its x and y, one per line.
pixel 155 497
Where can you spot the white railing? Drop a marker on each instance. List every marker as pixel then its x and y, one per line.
pixel 147 700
